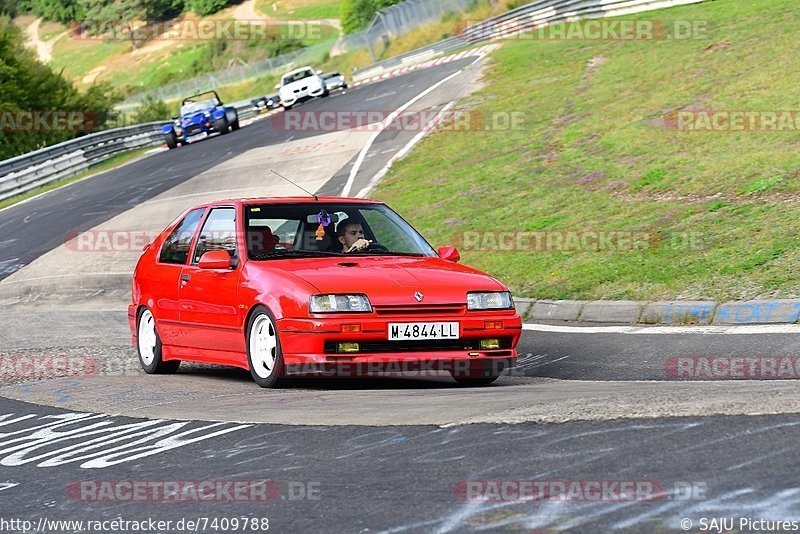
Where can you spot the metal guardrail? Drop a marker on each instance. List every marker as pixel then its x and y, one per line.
pixel 63 160
pixel 533 15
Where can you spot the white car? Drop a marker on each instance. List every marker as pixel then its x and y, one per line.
pixel 299 85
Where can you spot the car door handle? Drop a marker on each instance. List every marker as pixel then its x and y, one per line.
pixel 185 278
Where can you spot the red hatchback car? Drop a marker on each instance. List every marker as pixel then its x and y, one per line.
pixel 301 286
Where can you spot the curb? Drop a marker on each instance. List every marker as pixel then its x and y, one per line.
pixel 676 312
pixel 473 52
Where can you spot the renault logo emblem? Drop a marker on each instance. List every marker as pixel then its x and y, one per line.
pixel 419 296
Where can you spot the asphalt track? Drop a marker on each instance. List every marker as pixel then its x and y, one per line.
pixel 382 454
pixel 30 229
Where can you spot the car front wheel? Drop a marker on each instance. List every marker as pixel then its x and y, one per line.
pixel 264 353
pixel 221 125
pixel 172 140
pixel 148 345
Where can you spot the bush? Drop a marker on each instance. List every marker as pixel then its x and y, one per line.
pixel 207 7
pixel 152 110
pixel 356 14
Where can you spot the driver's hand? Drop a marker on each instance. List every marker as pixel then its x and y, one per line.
pixel 361 244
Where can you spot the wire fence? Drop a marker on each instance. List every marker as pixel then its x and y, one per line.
pixel 389 23
pixel 238 74
pixel 398 20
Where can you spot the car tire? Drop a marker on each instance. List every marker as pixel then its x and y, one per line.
pixel 264 351
pixel 172 140
pixel 149 348
pixel 235 126
pixel 325 93
pixel 287 107
pixel 344 87
pixel 221 125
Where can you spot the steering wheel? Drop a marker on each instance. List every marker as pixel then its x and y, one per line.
pixel 377 246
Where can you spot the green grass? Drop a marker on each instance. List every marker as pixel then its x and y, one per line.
pixel 593 155
pixel 299 9
pixel 110 163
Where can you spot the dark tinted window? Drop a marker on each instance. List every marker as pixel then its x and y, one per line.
pixel 219 233
pixel 176 247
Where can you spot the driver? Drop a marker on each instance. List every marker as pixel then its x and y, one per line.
pixel 351 235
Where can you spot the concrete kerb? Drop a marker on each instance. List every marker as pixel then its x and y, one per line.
pixel 694 312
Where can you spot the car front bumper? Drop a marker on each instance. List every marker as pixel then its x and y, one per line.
pixel 310 346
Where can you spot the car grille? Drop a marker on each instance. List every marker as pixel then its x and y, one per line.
pixel 192 128
pixel 420 345
pixel 423 309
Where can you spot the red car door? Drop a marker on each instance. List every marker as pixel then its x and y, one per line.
pixel 163 277
pixel 209 313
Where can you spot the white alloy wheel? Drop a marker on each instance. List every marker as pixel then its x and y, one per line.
pixel 147 338
pixel 263 346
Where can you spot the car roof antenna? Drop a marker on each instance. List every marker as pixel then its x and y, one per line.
pixel 294 184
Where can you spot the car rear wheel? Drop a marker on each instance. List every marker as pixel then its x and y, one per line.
pixel 172 140
pixel 148 345
pixel 221 125
pixel 264 353
pixel 235 125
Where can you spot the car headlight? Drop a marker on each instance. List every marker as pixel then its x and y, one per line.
pixel 495 300
pixel 206 113
pixel 339 303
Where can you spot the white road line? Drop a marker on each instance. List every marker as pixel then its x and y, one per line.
pixel 405 150
pixel 383 125
pixel 672 330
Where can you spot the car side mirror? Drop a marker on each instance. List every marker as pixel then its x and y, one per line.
pixel 277 86
pixel 215 259
pixel 319 72
pixel 449 254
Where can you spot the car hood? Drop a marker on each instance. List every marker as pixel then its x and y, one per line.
pixel 391 280
pixel 311 81
pixel 197 117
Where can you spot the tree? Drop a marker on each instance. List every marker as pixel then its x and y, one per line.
pixel 32 88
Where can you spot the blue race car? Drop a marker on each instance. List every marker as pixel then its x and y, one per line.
pixel 200 115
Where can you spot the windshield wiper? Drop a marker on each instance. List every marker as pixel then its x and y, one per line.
pixel 386 253
pixel 292 253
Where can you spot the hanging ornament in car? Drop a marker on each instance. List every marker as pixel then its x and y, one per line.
pixel 324 220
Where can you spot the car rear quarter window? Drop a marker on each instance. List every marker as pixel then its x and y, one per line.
pixel 218 233
pixel 176 247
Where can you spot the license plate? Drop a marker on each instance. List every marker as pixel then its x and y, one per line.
pixel 406 331
pixel 193 138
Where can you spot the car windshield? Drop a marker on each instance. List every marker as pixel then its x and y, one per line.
pixel 193 107
pixel 296 76
pixel 330 75
pixel 276 231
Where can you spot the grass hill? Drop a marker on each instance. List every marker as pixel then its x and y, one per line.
pixel 598 151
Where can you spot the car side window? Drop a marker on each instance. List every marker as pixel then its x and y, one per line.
pixel 218 233
pixel 176 246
